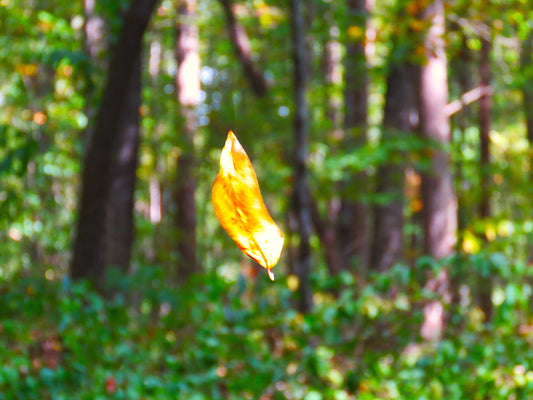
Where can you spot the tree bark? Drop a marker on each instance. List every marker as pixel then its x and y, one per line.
pixel 439 212
pixel 120 223
pixel 94 44
pixel 484 126
pixel 93 31
pixel 438 197
pixel 302 207
pixel 326 227
pixel 484 282
pixel 354 222
pixel 461 118
pixel 400 104
pixel 461 70
pixel 100 165
pixel 527 68
pixel 243 50
pixel 527 90
pixel 188 92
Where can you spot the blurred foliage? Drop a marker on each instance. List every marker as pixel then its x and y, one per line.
pixel 225 336
pixel 50 89
pixel 224 339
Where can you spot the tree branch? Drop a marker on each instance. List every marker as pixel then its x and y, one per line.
pixel 467 98
pixel 243 50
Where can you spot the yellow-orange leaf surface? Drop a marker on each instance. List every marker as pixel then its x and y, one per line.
pixel 240 208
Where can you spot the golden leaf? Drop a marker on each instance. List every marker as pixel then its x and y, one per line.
pixel 240 209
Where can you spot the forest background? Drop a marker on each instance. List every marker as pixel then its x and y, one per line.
pixel 393 142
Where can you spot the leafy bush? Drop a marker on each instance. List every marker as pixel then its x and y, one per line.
pixel 216 340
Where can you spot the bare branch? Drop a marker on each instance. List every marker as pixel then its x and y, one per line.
pixel 243 49
pixel 467 98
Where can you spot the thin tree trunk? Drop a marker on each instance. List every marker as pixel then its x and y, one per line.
pixel 100 167
pixel 439 212
pixel 438 197
pixel 527 70
pixel 354 222
pixel 301 191
pixel 188 92
pixel 484 282
pixel 155 210
pixel 484 126
pixel 400 103
pixel 527 64
pixel 243 49
pixel 461 118
pixel 326 227
pixel 93 45
pixel 93 31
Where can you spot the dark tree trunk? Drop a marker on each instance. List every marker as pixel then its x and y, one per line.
pixel 100 167
pixel 484 282
pixel 188 92
pixel 400 105
pixel 243 49
pixel 326 227
pixel 120 224
pixel 484 126
pixel 302 206
pixel 354 222
pixel 330 64
pixel 439 204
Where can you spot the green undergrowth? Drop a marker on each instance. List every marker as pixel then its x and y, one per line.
pixel 219 340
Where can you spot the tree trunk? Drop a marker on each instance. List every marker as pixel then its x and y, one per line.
pixel 354 222
pixel 484 282
pixel 439 204
pixel 439 212
pixel 461 119
pixel 93 31
pixel 326 227
pixel 94 44
pixel 243 49
pixel 527 70
pixel 527 67
pixel 188 92
pixel 400 103
pixel 484 126
pixel 120 224
pixel 302 206
pixel 100 166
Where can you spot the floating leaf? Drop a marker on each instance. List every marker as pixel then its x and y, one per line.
pixel 240 208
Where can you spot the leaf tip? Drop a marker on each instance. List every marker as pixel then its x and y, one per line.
pixel 270 274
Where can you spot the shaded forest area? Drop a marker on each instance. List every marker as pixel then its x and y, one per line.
pixel 393 143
